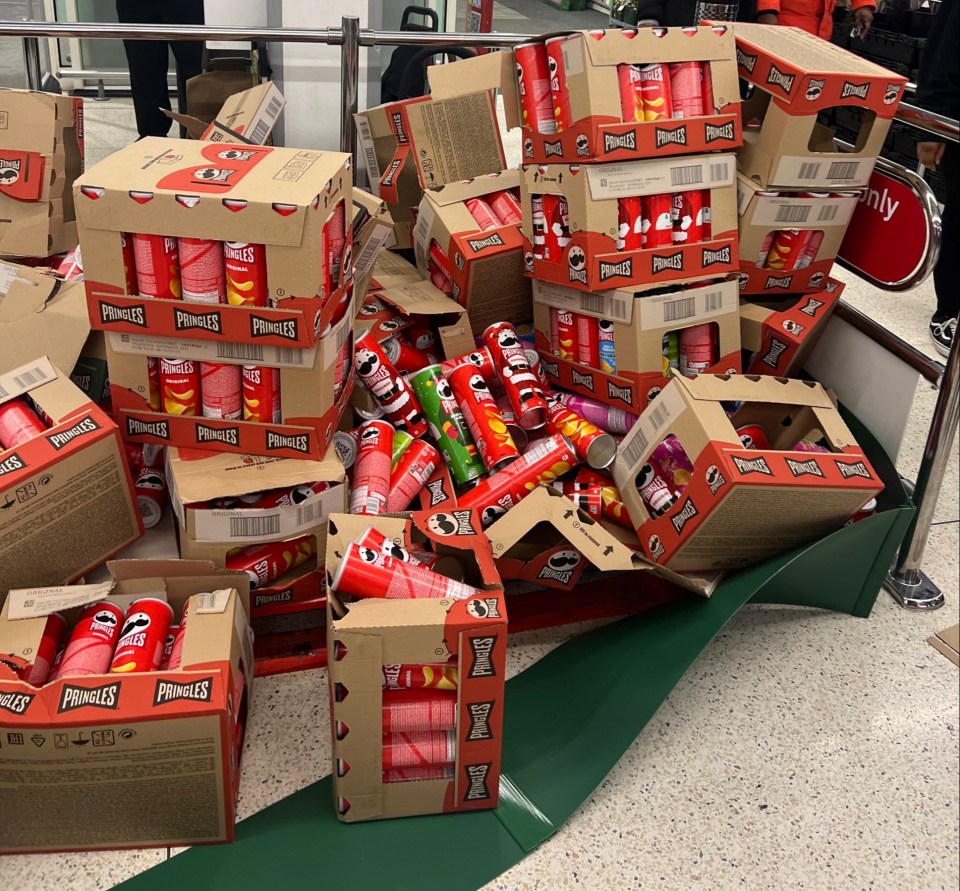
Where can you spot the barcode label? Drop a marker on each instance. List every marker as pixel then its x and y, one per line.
pixel 687 176
pixel 719 171
pixel 809 170
pixel 660 415
pixel 30 378
pixel 249 352
pixel 592 302
pixel 617 309
pixel 288 356
pixel 634 449
pixel 259 133
pixel 251 527
pixel 310 513
pixel 3 393
pixel 680 309
pixel 791 214
pixel 843 170
pixel 365 138
pixel 273 108
pixel 342 335
pixel 713 301
pixel 828 213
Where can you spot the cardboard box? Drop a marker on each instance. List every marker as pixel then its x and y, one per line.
pixel 742 505
pixel 373 632
pixel 597 131
pixel 149 759
pixel 948 643
pixel 66 495
pixel 639 321
pixel 763 217
pixel 315 388
pixel 246 117
pixel 780 335
pixel 796 76
pixel 281 198
pixel 41 153
pixel 373 230
pixel 486 265
pixel 208 533
pixel 391 270
pixel 591 261
pixel 383 139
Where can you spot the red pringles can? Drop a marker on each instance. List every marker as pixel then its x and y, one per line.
pixel 175 657
pixel 507 207
pixel 406 710
pixel 810 249
pixel 753 436
pixel 611 502
pixel 334 241
pixel 245 265
pixel 567 334
pixel 686 89
pixel 687 215
pixel 153 387
pixel 585 496
pixel 425 749
pixel 179 386
pixel 260 388
pixel 519 380
pixel 150 487
pixel 631 96
pixel 630 235
pixel 655 92
pixel 417 463
pixel 18 423
pixel 168 647
pixel 129 262
pixel 143 636
pixel 201 270
pixel 428 675
pixel 158 266
pixel 588 341
pixel 221 390
pixel 657 221
pixel 416 774
pixel 559 93
pixel 367 573
pixel 487 427
pixel 698 348
pixel 480 359
pixel 593 446
pixel 483 213
pixel 656 492
pixel 91 644
pixel 371 473
pixel 265 563
pixel 406 359
pixel 391 392
pixel 539 222
pixel 545 461
pixel 533 83
pixel 39 672
pixel 787 249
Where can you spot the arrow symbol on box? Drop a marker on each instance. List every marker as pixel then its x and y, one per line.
pixel 568 514
pixel 608 551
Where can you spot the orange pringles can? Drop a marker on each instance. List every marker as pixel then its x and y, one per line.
pixel 157 262
pixel 179 386
pixel 261 394
pixel 143 636
pixel 245 266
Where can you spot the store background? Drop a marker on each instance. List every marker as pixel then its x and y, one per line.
pixel 802 749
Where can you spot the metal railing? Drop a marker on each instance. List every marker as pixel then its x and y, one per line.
pixel 906 581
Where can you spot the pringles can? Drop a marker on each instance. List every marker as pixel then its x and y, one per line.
pixel 143 636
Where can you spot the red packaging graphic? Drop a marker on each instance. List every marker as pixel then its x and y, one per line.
pixel 483 213
pixel 180 386
pixel 415 774
pixel 533 80
pixel 221 390
pixel 261 394
pixel 631 97
pixel 201 270
pixel 657 220
pixel 371 474
pixel 655 490
pixel 424 749
pixel 567 333
pixel 479 359
pixel 143 636
pixel 153 372
pixel 655 89
pixel 391 392
pixel 594 447
pixel 413 710
pixel 406 359
pixel 753 436
pixel 176 651
pixel 18 423
pixel 559 93
pixel 687 216
pixel 129 262
pixel 157 263
pixel 630 236
pixel 588 341
pixel 787 249
pixel 698 349
pixel 245 266
pixel 90 647
pixel 150 487
pixel 507 207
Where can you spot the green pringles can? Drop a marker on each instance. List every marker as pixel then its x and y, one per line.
pixel 671 354
pixel 401 440
pixel 447 424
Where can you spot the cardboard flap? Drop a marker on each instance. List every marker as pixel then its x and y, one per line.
pixel 122 570
pixel 545 505
pixel 750 388
pixel 453 193
pixel 492 71
pixel 28 603
pixel 194 126
pixel 40 315
pixel 647 44
pixel 391 270
pixel 420 298
pixel 224 474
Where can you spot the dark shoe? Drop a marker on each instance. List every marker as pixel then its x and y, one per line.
pixel 942 332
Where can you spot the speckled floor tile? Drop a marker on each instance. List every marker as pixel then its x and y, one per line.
pixel 92 871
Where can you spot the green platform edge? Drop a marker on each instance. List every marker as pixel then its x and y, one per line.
pixel 568 720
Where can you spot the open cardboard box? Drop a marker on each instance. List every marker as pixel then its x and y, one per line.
pixel 209 533
pixel 246 117
pixel 781 334
pixel 365 635
pixel 281 198
pixel 796 76
pixel 590 260
pixel 373 231
pixel 764 217
pixel 740 504
pixel 639 322
pixel 66 494
pixel 41 153
pixel 95 737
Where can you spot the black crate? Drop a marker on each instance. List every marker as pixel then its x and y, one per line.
pixel 888 46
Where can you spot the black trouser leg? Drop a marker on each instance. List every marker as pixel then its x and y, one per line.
pixel 188 53
pixel 946 274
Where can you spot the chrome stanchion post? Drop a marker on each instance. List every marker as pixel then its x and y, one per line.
pixel 349 83
pixel 909 586
pixel 31 62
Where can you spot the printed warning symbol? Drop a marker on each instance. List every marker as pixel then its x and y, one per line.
pixel 38 740
pixel 103 738
pixel 60 741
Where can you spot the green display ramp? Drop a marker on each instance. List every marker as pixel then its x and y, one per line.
pixel 568 720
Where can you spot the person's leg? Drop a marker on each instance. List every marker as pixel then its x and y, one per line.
pixel 147 60
pixel 188 53
pixel 946 274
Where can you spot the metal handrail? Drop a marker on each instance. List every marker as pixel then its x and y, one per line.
pixel 906 581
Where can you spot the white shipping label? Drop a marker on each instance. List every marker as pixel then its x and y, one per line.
pixel 682 307
pixel 656 177
pixel 8 275
pixel 25 378
pixel 806 171
pixel 210 351
pixel 211 602
pixel 803 213
pixel 28 603
pixel 365 144
pixel 252 525
pixel 615 305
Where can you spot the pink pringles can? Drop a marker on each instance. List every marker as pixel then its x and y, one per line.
pixel 606 417
pixel 90 646
pixel 670 459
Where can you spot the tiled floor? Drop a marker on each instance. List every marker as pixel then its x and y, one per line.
pixel 802 749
